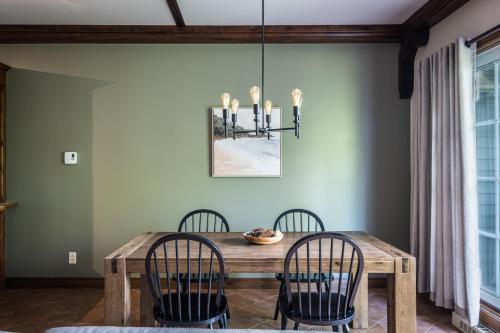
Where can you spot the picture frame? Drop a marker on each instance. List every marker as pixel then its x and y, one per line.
pixel 247 155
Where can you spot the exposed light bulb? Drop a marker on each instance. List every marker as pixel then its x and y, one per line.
pixel 234 105
pixel 268 107
pixel 225 98
pixel 297 97
pixel 255 94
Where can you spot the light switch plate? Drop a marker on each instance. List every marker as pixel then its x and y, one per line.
pixel 72 258
pixel 70 157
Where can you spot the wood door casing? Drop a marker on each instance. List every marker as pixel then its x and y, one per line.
pixel 3 72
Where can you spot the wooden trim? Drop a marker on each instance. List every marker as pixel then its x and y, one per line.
pixel 3 78
pixel 176 13
pixel 45 283
pixel 427 16
pixel 3 81
pixel 91 283
pixel 430 14
pixel 406 60
pixel 488 42
pixel 490 316
pixel 24 34
pixel 415 33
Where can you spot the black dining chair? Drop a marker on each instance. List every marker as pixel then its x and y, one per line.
pixel 199 304
pixel 297 220
pixel 341 260
pixel 203 220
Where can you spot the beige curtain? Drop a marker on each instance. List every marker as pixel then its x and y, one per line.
pixel 444 221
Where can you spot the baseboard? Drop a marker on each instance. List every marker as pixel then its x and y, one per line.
pixel 463 325
pixel 490 316
pixel 47 283
pixel 86 283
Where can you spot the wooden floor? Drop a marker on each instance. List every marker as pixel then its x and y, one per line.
pixel 34 310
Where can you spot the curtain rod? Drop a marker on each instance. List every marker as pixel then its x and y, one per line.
pixel 483 35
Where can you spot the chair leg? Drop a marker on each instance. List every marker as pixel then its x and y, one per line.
pixel 210 326
pixel 318 286
pixel 227 311
pixel 345 328
pixel 296 326
pixel 283 322
pixel 226 323
pixel 276 312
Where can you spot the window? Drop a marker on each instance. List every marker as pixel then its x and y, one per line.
pixel 488 171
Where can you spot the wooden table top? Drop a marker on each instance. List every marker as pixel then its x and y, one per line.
pixel 242 257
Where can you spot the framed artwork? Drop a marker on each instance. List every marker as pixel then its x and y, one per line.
pixel 249 155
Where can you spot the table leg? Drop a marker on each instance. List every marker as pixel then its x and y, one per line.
pixel 402 297
pixel 147 303
pixel 361 304
pixel 116 293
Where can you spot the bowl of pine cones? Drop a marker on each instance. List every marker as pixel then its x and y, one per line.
pixel 263 236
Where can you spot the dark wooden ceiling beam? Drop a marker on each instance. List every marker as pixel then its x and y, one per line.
pixel 199 34
pixel 430 14
pixel 176 13
pixel 415 33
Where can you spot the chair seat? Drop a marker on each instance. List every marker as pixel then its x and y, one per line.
pixel 214 313
pixel 315 317
pixel 303 277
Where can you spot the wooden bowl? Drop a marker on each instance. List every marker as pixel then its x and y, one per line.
pixel 263 240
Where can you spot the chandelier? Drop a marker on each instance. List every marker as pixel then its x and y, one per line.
pixel 262 127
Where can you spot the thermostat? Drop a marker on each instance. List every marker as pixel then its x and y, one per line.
pixel 70 157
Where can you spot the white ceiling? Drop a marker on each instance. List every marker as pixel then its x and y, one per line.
pixel 85 12
pixel 207 12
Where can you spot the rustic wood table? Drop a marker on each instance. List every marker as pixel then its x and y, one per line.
pixel 240 257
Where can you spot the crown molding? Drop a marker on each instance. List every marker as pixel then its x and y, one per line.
pixel 23 34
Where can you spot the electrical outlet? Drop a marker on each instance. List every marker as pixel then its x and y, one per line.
pixel 72 258
pixel 70 157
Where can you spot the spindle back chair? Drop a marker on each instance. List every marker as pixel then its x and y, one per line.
pixel 334 306
pixel 175 305
pixel 203 220
pixel 298 220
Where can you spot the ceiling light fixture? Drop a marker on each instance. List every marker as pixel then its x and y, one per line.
pixel 265 124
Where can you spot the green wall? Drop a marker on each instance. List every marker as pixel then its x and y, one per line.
pixel 138 117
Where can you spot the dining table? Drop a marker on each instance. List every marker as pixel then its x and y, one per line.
pixel 241 257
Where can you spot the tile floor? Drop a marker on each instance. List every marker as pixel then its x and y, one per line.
pixel 34 310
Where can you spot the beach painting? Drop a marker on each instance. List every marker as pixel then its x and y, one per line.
pixel 249 155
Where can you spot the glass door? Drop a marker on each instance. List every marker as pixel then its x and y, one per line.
pixel 488 172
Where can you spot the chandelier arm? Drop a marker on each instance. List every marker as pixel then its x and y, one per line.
pixel 280 129
pixel 246 131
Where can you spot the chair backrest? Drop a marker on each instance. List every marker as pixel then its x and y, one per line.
pixel 298 220
pixel 203 220
pixel 184 255
pixel 339 261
